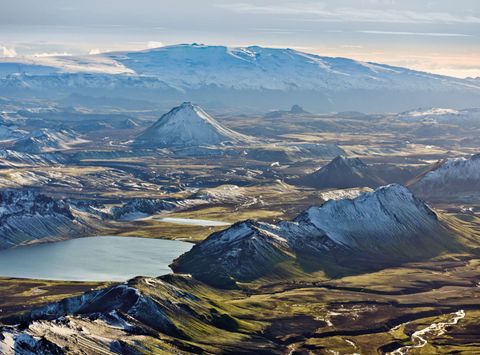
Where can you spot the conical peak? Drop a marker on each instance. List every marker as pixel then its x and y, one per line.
pixel 187 104
pixel 188 125
pixel 186 111
pixel 350 162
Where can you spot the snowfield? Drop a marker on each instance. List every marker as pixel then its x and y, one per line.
pixel 190 66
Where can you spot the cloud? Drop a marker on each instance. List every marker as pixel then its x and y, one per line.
pixel 154 44
pixel 318 11
pixel 351 46
pixel 405 33
pixel 382 2
pixel 94 51
pixel 8 52
pixel 52 54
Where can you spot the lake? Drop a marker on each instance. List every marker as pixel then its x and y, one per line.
pixel 193 222
pixel 92 259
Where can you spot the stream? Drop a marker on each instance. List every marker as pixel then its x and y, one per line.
pixel 420 337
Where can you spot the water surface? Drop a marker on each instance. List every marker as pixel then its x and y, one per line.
pixel 92 259
pixel 193 222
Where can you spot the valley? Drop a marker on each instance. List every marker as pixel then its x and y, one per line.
pixel 370 313
pixel 215 229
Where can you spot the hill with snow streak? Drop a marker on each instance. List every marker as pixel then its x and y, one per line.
pixel 236 75
pixel 9 132
pixel 451 178
pixel 385 227
pixel 26 217
pixel 441 115
pixel 48 140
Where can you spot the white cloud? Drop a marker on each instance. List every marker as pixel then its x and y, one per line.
pixel 94 51
pixel 404 33
pixel 351 46
pixel 52 54
pixel 382 2
pixel 154 44
pixel 8 52
pixel 318 11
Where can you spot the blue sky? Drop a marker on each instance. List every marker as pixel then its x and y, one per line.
pixel 441 36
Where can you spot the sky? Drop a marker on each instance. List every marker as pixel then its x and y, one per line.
pixel 439 36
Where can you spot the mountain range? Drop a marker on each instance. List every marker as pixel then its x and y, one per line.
pixel 382 228
pixel 234 76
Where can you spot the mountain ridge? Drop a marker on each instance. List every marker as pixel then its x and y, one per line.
pixel 386 227
pixel 236 75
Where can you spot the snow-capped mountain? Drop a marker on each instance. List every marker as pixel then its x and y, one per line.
pixel 451 178
pixel 343 172
pixel 385 227
pixel 48 140
pixel 188 125
pixel 375 221
pixel 26 217
pixel 214 73
pixel 189 66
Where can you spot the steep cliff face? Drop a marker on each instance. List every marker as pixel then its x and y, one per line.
pixel 26 216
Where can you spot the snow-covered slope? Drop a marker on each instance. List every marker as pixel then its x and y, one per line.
pixel 188 125
pixel 342 172
pixel 451 178
pixel 203 69
pixel 440 115
pixel 375 221
pixel 194 66
pixel 11 158
pixel 26 216
pixel 385 227
pixel 245 251
pixel 48 140
pixel 145 207
pixel 10 132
